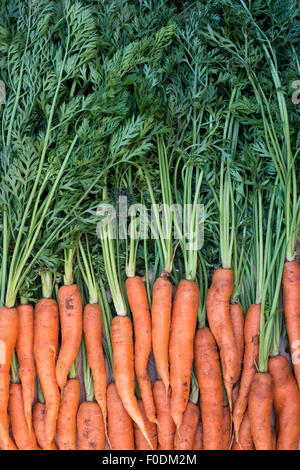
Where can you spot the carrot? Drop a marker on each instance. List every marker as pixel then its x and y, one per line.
pixel 218 314
pixel 245 437
pixel 252 325
pixel 92 327
pixel 183 326
pixel 140 441
pixel 139 306
pixel 119 423
pixel 166 426
pixel 286 403
pixel 90 426
pixel 22 436
pixel 38 419
pixel 184 438
pixel 237 320
pixel 291 305
pixel 70 312
pixel 66 421
pixel 226 428
pixel 198 440
pixel 260 409
pixel 161 323
pixel 8 338
pixel 208 371
pixel 122 343
pixel 45 347
pixel 24 349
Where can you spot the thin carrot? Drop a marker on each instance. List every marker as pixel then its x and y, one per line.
pixel 38 419
pixel 119 423
pixel 161 324
pixel 122 342
pixel 24 349
pixel 8 338
pixel 183 326
pixel 166 426
pixel 198 440
pixel 260 409
pixel 90 426
pixel 23 438
pixel 286 403
pixel 226 428
pixel 208 371
pixel 140 441
pixel 139 306
pixel 291 305
pixel 237 320
pixel 184 438
pixel 66 420
pixel 245 436
pixel 45 347
pixel 218 314
pixel 251 334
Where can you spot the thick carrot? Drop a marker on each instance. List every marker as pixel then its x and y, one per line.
pixel 24 348
pixel 226 428
pixel 208 371
pixel 92 327
pixel 90 426
pixel 122 343
pixel 161 324
pixel 245 436
pixel 140 441
pixel 66 421
pixel 286 403
pixel 260 409
pixel 70 312
pixel 252 324
pixel 8 338
pixel 218 314
pixel 119 423
pixel 45 346
pixel 237 320
pixel 183 326
pixel 38 419
pixel 198 440
pixel 22 436
pixel 139 306
pixel 291 305
pixel 184 438
pixel 166 427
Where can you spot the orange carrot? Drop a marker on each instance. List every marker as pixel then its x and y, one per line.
pixel 184 438
pixel 23 438
pixel 38 419
pixel 166 426
pixel 161 324
pixel 24 349
pixel 237 320
pixel 260 409
pixel 183 326
pixel 291 305
pixel 139 306
pixel 245 437
pixel 218 315
pixel 8 338
pixel 119 423
pixel 92 327
pixel 286 403
pixel 251 334
pixel 226 428
pixel 140 441
pixel 122 343
pixel 70 312
pixel 90 425
pixel 66 421
pixel 45 348
pixel 208 371
pixel 198 441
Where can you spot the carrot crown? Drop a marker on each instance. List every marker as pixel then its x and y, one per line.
pixel 87 271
